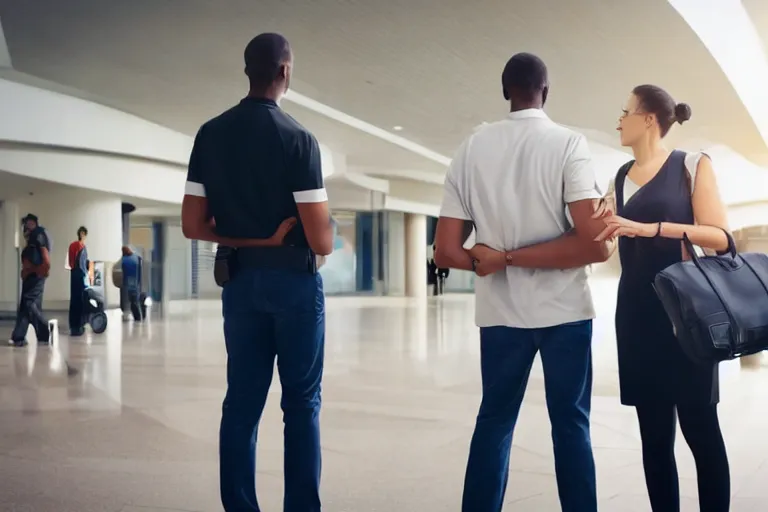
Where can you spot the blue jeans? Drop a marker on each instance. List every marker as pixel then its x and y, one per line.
pixel 268 315
pixel 507 355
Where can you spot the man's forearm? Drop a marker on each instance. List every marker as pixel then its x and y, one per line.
pixel 564 252
pixel 206 233
pixel 456 258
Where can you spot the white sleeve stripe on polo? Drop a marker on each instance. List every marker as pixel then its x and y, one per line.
pixel 194 189
pixel 318 195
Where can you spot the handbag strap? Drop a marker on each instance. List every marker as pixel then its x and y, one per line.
pixel 697 261
pixel 691 250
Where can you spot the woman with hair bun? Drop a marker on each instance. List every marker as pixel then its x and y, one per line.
pixel 653 201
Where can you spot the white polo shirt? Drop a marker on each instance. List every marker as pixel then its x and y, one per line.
pixel 514 179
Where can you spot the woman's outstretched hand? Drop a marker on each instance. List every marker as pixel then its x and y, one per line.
pixel 604 208
pixel 616 226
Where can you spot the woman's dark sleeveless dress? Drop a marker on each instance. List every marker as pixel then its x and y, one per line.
pixel 652 366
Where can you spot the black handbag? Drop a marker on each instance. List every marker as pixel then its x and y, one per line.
pixel 718 305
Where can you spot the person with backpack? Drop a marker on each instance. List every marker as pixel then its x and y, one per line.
pixel 131 265
pixel 35 268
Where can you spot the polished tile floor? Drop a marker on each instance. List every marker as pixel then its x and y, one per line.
pixel 132 426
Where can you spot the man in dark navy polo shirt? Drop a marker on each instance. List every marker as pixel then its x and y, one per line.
pixel 254 173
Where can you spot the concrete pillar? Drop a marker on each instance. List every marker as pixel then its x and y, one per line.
pixel 395 285
pixel 127 209
pixel 61 213
pixel 10 221
pixel 165 273
pixel 415 255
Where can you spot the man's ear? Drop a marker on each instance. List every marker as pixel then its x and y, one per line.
pixel 544 95
pixel 505 93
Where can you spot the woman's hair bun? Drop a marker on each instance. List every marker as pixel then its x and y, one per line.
pixel 682 112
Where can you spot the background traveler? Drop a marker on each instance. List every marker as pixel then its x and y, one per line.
pixel 80 278
pixel 436 276
pixel 131 278
pixel 35 267
pixel 432 272
pixel 256 172
pixel 442 275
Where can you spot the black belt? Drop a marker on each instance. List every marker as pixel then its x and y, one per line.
pixel 285 257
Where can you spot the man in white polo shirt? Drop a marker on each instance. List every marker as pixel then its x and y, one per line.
pixel 529 187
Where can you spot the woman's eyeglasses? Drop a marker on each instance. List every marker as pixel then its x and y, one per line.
pixel 626 113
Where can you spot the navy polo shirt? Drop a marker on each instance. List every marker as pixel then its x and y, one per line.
pixel 253 163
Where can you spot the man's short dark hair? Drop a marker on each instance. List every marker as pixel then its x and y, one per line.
pixel 524 76
pixel 264 56
pixel 82 231
pixel 30 216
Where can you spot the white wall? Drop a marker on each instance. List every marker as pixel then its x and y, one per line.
pixel 61 213
pixel 127 177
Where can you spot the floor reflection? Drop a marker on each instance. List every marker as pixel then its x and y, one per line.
pixel 128 420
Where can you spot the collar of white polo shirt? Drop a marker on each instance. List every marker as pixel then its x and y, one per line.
pixel 528 113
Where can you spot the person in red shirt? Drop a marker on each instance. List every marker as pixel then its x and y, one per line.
pixel 81 276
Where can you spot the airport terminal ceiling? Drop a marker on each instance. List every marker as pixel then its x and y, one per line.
pixel 431 67
pixel 758 13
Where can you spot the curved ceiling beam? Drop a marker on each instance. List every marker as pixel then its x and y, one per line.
pixel 727 31
pixel 36 116
pixel 5 55
pixel 98 172
pixel 365 127
pixel 405 174
pixel 32 115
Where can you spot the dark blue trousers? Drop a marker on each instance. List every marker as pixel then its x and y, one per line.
pixel 507 355
pixel 272 315
pixel 76 302
pixel 31 311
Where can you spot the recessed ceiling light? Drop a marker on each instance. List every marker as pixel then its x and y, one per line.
pixel 398 128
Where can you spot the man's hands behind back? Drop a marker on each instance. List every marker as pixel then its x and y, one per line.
pixel 590 219
pixel 487 261
pixel 282 230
